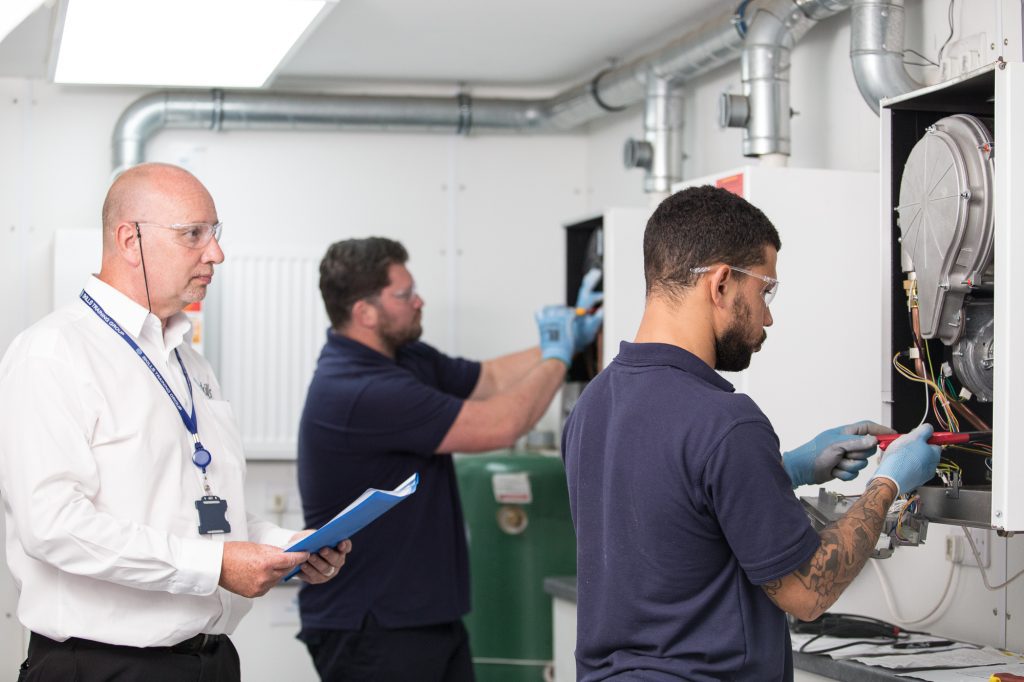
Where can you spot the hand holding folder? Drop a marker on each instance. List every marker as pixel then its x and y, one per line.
pixel 367 507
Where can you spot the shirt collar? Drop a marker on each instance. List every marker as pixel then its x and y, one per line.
pixel 646 354
pixel 355 347
pixel 135 319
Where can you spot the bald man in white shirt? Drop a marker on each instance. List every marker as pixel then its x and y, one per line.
pixel 121 466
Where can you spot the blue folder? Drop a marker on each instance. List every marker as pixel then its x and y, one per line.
pixel 367 507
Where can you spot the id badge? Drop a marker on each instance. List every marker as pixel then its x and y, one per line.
pixel 212 515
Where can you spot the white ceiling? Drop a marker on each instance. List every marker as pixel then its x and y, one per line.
pixel 529 43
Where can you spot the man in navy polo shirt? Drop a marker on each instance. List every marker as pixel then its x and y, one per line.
pixel 691 546
pixel 383 405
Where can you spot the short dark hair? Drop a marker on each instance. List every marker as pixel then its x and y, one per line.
pixel 699 226
pixel 354 269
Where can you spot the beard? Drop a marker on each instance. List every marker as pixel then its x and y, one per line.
pixel 394 336
pixel 734 349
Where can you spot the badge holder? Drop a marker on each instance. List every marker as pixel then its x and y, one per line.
pixel 212 515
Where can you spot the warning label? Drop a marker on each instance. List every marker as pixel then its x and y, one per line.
pixel 512 488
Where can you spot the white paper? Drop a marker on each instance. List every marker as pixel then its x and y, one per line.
pixel 940 658
pixel 965 674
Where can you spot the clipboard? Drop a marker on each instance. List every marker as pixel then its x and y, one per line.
pixel 367 507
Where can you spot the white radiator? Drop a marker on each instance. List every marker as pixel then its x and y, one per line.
pixel 272 327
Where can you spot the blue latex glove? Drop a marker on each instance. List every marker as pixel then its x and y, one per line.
pixel 557 338
pixel 585 328
pixel 586 297
pixel 840 453
pixel 910 461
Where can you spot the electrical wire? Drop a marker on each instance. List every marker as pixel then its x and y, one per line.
pixel 950 18
pixel 907 373
pixel 910 374
pixel 984 574
pixel 933 614
pixel 951 423
pixel 915 52
pixel 881 641
pixel 846 625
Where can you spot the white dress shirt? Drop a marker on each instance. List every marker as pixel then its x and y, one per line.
pixel 98 484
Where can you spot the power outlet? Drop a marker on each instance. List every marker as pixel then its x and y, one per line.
pixel 981 537
pixel 955 548
pixel 278 498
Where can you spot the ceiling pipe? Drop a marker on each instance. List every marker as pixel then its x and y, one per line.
pixel 254 110
pixel 712 44
pixel 876 50
pixel 763 110
pixel 775 26
pixel 660 153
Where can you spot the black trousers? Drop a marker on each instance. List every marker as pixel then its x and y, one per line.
pixel 209 659
pixel 433 653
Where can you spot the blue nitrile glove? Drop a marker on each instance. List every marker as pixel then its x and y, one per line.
pixel 910 461
pixel 587 298
pixel 557 339
pixel 585 328
pixel 840 453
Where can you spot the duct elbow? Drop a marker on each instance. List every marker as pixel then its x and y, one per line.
pixel 876 50
pixel 881 75
pixel 134 127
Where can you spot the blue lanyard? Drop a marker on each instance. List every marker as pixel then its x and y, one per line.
pixel 201 457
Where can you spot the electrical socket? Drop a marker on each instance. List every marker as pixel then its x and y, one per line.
pixel 959 551
pixel 955 548
pixel 981 537
pixel 278 498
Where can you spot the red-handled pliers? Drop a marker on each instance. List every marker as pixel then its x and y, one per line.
pixel 939 438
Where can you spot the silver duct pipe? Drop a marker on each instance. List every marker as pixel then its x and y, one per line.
pixel 249 110
pixel 876 50
pixel 660 153
pixel 713 44
pixel 775 28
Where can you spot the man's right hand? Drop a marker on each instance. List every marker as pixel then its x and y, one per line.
pixel 250 569
pixel 910 461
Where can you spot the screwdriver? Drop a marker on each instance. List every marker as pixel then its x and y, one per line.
pixel 939 438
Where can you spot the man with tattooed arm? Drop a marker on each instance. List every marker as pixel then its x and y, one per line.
pixel 691 547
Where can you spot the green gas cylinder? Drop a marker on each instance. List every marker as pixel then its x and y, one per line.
pixel 516 507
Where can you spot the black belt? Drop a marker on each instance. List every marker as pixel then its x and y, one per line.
pixel 201 643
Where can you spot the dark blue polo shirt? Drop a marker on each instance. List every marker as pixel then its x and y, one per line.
pixel 371 422
pixel 682 510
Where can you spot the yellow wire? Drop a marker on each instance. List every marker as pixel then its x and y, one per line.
pixel 913 376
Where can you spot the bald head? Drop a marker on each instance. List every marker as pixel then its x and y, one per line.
pixel 150 192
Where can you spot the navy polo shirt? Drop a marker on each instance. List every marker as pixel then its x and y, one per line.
pixel 371 422
pixel 682 510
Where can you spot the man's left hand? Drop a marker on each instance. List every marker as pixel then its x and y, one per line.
pixel 840 453
pixel 323 565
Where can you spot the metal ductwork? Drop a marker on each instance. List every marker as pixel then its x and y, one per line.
pixel 660 153
pixel 763 110
pixel 713 44
pixel 774 28
pixel 249 110
pixel 876 50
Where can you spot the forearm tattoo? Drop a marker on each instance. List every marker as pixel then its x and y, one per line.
pixel 845 547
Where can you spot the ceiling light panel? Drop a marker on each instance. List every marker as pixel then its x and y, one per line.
pixel 13 12
pixel 199 43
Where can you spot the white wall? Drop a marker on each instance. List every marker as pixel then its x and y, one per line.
pixel 481 218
